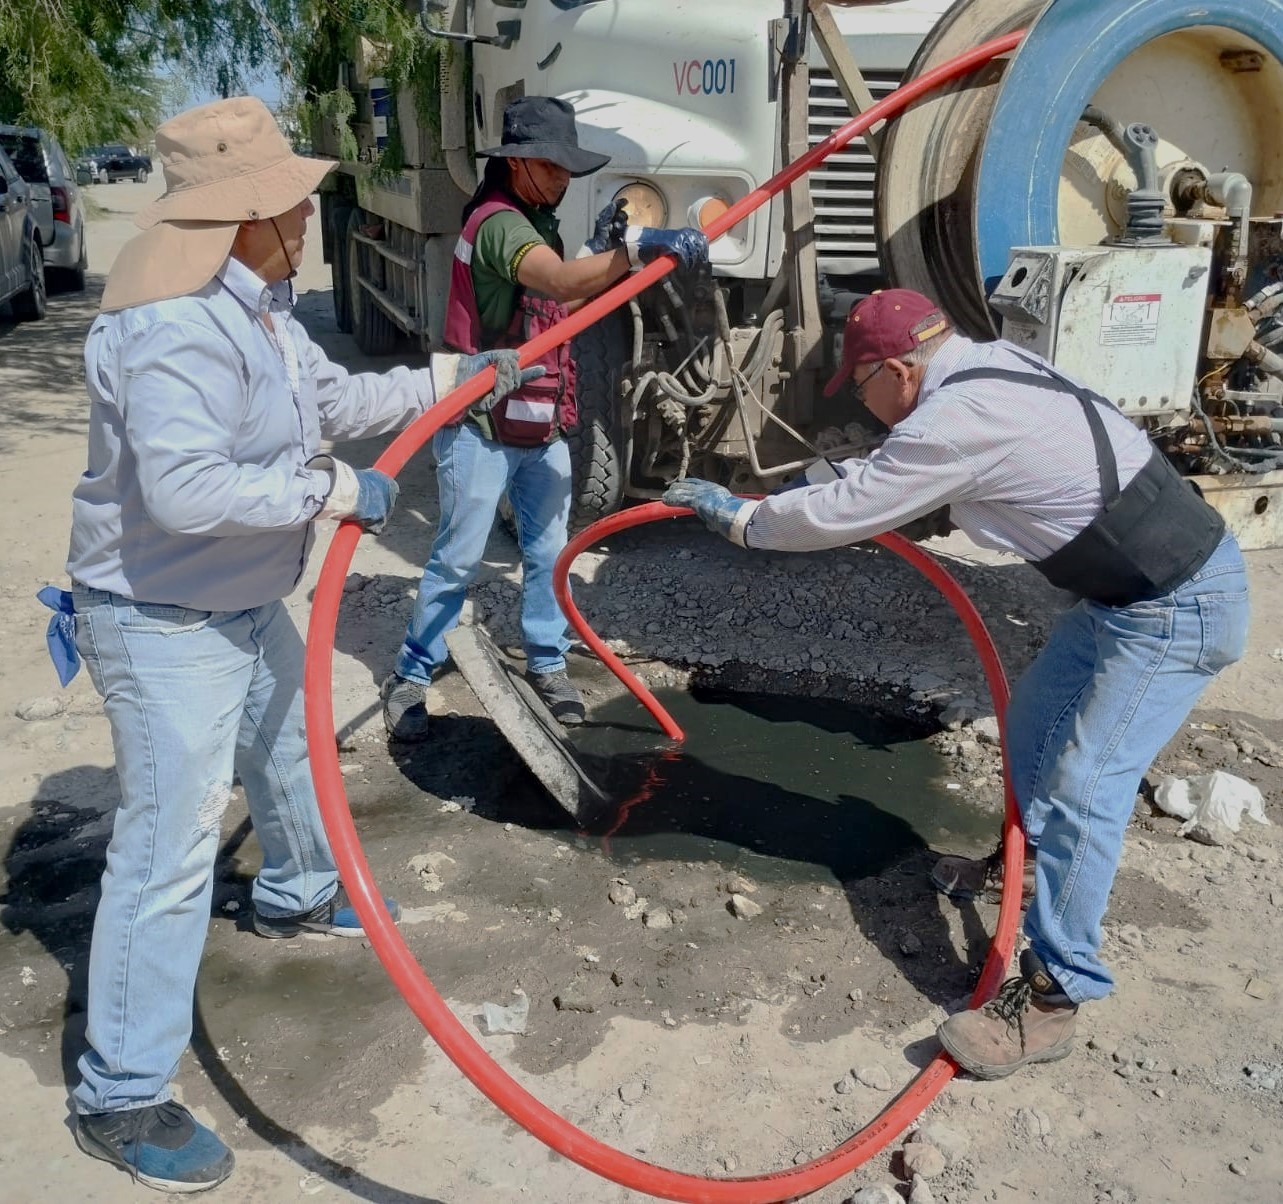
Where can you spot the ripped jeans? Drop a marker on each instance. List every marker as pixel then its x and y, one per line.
pixel 193 696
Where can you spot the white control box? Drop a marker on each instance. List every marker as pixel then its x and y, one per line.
pixel 1127 321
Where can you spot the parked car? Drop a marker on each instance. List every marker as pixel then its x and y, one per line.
pixel 22 265
pixel 115 161
pixel 60 209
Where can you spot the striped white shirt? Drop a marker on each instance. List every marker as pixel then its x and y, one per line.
pixel 1015 464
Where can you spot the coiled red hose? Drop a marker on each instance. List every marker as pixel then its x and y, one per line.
pixel 409 978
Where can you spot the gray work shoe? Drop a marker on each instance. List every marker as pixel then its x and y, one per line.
pixel 1030 1020
pixel 560 696
pixel 405 714
pixel 980 878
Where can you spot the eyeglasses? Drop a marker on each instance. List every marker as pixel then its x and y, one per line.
pixel 859 385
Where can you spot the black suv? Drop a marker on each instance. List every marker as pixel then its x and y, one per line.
pixel 113 162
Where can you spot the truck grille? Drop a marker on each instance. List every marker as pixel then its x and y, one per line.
pixel 842 187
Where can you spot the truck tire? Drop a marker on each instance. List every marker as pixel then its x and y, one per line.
pixel 30 305
pixel 140 176
pixel 338 219
pixel 598 473
pixel 375 333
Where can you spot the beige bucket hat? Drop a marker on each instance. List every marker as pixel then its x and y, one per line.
pixel 225 163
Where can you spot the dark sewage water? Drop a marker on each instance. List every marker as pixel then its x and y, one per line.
pixel 779 788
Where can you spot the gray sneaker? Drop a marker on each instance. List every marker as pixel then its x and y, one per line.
pixel 405 714
pixel 964 879
pixel 560 696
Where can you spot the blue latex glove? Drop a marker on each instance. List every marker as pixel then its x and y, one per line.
pixel 60 635
pixel 508 378
pixel 376 495
pixel 610 228
pixel 715 506
pixel 645 244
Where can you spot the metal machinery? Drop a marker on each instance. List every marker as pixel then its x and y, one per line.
pixel 1108 197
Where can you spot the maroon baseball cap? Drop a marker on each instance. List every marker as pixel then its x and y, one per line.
pixel 883 326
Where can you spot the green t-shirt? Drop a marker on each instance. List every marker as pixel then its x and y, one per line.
pixel 503 241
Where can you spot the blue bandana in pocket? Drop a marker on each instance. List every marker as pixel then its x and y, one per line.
pixel 60 635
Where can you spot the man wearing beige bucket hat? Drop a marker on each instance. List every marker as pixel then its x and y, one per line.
pixel 191 523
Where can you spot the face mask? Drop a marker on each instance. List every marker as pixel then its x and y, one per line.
pixel 538 193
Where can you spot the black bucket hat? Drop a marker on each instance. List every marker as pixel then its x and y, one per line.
pixel 543 127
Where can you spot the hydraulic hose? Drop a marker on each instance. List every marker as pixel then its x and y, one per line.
pixel 421 996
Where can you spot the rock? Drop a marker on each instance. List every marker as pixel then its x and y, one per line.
pixel 1131 936
pixel 1210 832
pixel 571 1000
pixel 737 884
pixel 788 617
pixel 951 1143
pixel 845 1085
pixel 622 894
pixel 910 944
pixel 879 1193
pixel 923 1161
pixel 743 908
pixel 877 1077
pixel 921 1193
pixel 1239 1168
pixel 1032 1124
pixel 657 917
pixel 959 713
pixel 986 730
pixel 32 710
pixel 631 1093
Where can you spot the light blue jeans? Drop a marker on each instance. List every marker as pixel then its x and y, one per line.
pixel 472 474
pixel 192 697
pixel 1111 687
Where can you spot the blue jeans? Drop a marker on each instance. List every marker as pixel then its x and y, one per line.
pixel 193 696
pixel 472 474
pixel 1112 686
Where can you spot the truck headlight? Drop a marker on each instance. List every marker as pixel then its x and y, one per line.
pixel 646 204
pixel 706 210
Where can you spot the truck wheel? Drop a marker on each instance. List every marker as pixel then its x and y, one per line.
pixel 338 218
pixel 29 306
pixel 375 333
pixel 141 175
pixel 596 445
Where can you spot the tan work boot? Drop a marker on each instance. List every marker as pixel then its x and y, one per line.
pixel 979 878
pixel 1030 1020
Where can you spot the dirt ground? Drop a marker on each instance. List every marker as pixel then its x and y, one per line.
pixel 658 1019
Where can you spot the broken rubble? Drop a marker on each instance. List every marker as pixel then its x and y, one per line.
pixel 923 1161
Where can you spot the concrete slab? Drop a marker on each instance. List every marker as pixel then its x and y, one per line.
pixel 526 723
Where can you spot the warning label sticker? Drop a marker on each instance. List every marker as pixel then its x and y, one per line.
pixel 1131 319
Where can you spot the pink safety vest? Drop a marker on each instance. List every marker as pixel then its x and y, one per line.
pixel 536 412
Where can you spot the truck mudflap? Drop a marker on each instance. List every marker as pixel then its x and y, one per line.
pixel 525 722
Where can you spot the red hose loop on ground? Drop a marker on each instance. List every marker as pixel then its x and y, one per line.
pixel 421 996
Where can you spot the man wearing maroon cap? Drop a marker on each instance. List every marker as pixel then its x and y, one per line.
pixel 1031 462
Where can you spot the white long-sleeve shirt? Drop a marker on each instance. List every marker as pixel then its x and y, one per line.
pixel 1015 464
pixel 198 490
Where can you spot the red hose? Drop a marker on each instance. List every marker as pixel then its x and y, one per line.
pixel 423 999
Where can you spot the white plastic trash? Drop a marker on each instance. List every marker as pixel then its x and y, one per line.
pixel 506 1020
pixel 1221 797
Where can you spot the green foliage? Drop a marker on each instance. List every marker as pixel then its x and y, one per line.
pixel 390 40
pixel 103 70
pixel 108 70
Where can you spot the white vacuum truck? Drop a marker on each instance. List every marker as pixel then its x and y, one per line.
pixel 1109 195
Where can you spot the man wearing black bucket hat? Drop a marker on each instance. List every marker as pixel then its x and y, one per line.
pixel 509 283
